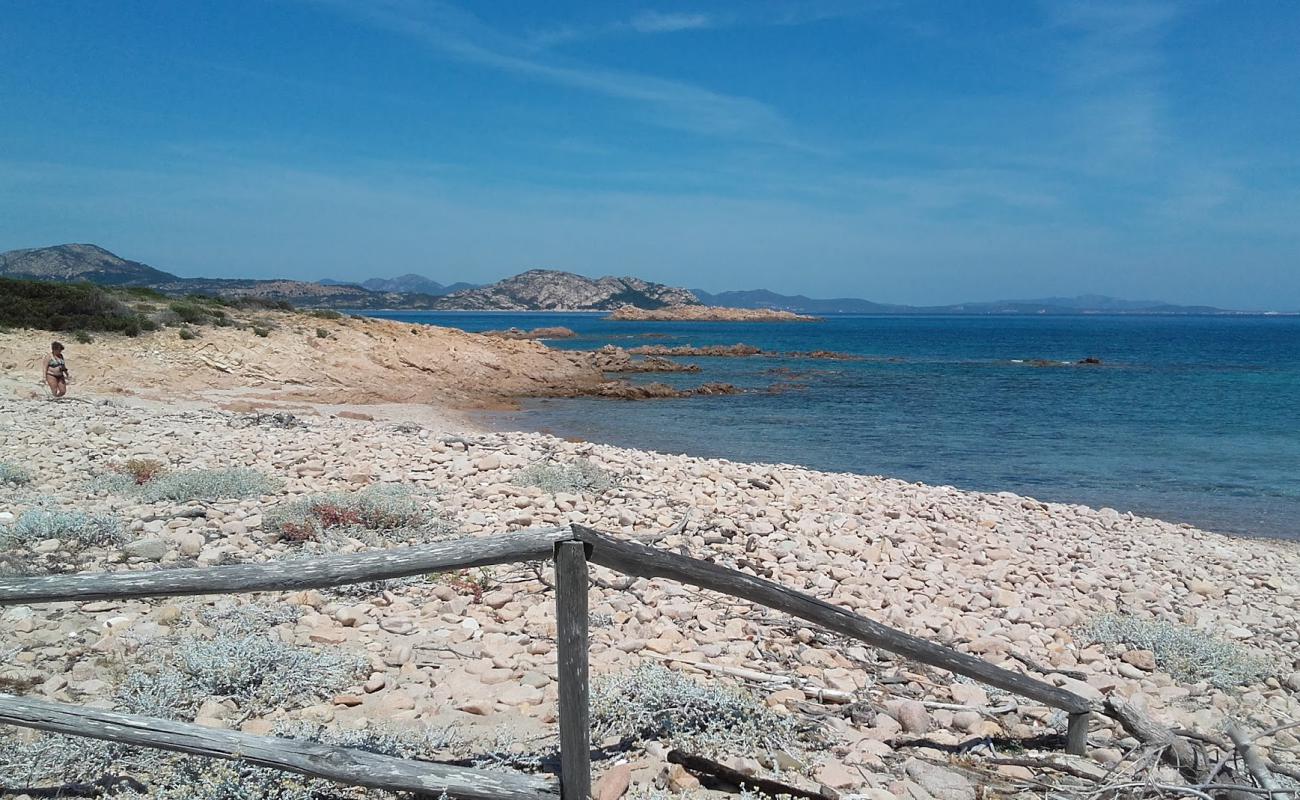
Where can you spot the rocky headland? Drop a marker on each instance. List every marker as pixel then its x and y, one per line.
pixel 698 313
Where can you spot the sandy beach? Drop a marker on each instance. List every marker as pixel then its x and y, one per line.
pixel 380 406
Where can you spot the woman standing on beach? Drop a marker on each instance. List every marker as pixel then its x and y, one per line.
pixel 56 371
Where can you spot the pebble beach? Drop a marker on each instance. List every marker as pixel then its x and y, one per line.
pixel 1008 578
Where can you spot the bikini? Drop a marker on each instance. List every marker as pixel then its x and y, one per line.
pixel 57 368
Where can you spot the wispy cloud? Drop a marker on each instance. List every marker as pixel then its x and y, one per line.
pixel 644 22
pixel 1113 71
pixel 658 22
pixel 455 33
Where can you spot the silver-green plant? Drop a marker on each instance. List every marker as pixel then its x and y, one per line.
pixel 208 484
pixel 651 702
pixel 577 477
pixel 377 508
pixel 15 473
pixel 75 529
pixel 1185 653
pixel 257 670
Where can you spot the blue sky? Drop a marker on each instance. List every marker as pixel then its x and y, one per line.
pixel 917 152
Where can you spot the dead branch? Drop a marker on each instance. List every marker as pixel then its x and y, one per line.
pixel 1036 667
pixel 1077 767
pixel 1254 762
pixel 707 766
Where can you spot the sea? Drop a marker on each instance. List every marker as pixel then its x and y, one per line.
pixel 1190 419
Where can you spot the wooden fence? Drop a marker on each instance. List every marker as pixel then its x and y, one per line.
pixel 571 548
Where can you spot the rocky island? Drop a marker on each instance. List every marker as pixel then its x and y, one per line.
pixel 699 313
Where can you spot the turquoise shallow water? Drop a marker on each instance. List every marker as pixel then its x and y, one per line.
pixel 1191 419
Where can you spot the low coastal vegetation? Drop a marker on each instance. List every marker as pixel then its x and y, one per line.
pixel 151 481
pixel 651 703
pixel 74 307
pixel 577 477
pixel 15 474
pixel 74 529
pixel 378 508
pixel 83 308
pixel 207 484
pixel 1186 654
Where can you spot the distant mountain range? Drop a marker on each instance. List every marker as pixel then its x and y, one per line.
pixel 534 290
pixel 403 284
pixel 1083 304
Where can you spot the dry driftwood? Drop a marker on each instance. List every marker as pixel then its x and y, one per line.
pixel 1178 751
pixel 707 766
pixel 398 562
pixel 341 764
pixel 635 559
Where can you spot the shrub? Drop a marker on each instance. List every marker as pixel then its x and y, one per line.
pixel 154 774
pixel 260 331
pixel 73 528
pixel 575 478
pixel 321 333
pixel 325 313
pixel 652 702
pixel 49 758
pixel 209 779
pixel 13 473
pixel 1186 654
pixel 207 484
pixel 50 306
pixel 187 333
pixel 140 470
pixel 378 508
pixel 257 670
pixel 240 617
pixel 191 313
pixel 424 743
pixel 81 337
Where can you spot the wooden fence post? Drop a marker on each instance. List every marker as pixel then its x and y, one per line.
pixel 575 715
pixel 1076 734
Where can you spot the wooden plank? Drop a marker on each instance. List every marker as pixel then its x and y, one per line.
pixel 340 764
pixel 575 713
pixel 1076 734
pixel 635 559
pixel 308 573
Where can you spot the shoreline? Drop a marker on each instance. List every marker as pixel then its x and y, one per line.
pixel 493 421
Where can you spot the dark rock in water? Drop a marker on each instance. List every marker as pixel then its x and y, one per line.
pixel 1090 360
pixel 621 390
pixel 828 355
pixel 615 359
pixel 714 351
pixel 536 333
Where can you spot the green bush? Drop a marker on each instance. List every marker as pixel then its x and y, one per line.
pixel 44 305
pixel 321 333
pixel 188 333
pixel 260 331
pixel 192 313
pixel 81 337
pixel 325 313
pixel 1186 654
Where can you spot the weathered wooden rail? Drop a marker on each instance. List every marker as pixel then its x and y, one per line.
pixel 572 549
